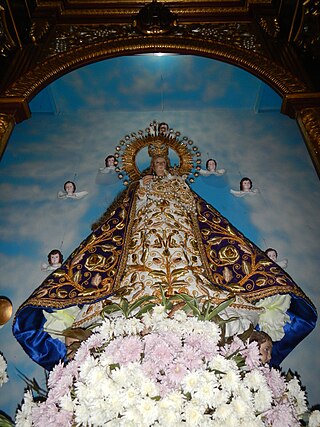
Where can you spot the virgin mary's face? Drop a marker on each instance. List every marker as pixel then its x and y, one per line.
pixel 160 166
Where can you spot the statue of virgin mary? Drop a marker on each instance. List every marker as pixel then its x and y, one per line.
pixel 160 236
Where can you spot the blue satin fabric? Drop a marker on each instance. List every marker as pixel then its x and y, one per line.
pixel 303 320
pixel 38 344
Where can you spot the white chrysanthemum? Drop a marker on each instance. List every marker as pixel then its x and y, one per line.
pixel 130 416
pixel 221 364
pixel 105 329
pixel 106 360
pixel 168 416
pixel 254 380
pixel 3 370
pixel 86 367
pixel 314 419
pixel 95 375
pixel 297 395
pixel 263 399
pixel 230 381
pixel 193 414
pixel 223 412
pixel 158 313
pixel 180 316
pixel 82 414
pixel 174 400
pixel 133 326
pixel 245 394
pixel 192 382
pixel 148 388
pixel 130 397
pixel 120 376
pixel 24 415
pixel 83 393
pixel 241 407
pixel 273 319
pixel 206 394
pixel 119 326
pixel 59 320
pixel 66 403
pixel 148 410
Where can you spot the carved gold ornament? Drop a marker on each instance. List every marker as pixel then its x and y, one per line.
pixel 158 145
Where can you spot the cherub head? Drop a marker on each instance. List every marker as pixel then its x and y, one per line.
pixel 245 184
pixel 211 165
pixel 109 161
pixel 265 345
pixel 163 128
pixel 272 254
pixel 55 257
pixel 69 187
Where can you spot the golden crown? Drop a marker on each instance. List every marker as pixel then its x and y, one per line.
pixel 158 149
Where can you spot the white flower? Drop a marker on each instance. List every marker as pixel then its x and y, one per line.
pixel 219 363
pixel 3 371
pixel 67 403
pixel 191 382
pixel 133 326
pixel 193 414
pixel 223 412
pixel 230 381
pixel 24 415
pixel 297 395
pixel 148 410
pixel 314 419
pixel 59 320
pixel 180 316
pixel 254 380
pixel 263 399
pixel 273 319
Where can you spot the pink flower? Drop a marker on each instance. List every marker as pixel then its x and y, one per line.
pixel 281 416
pixel 275 380
pixel 252 355
pixel 190 357
pixel 176 373
pixel 206 346
pixel 56 374
pixel 60 388
pixel 46 415
pixel 158 351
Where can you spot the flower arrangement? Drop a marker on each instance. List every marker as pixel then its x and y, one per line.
pixel 3 370
pixel 163 367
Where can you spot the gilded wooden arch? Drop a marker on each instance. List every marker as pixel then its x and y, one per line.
pixel 279 78
pixel 247 53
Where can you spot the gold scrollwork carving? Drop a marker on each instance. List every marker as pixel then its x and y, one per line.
pixel 309 122
pixel 7 123
pixel 270 25
pixel 6 42
pixel 233 43
pixel 38 30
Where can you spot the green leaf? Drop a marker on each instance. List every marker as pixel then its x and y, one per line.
pixel 139 301
pixel 145 308
pixel 221 307
pixel 124 305
pixel 5 421
pixel 114 366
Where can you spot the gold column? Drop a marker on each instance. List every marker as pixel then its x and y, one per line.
pixel 7 122
pixel 309 122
